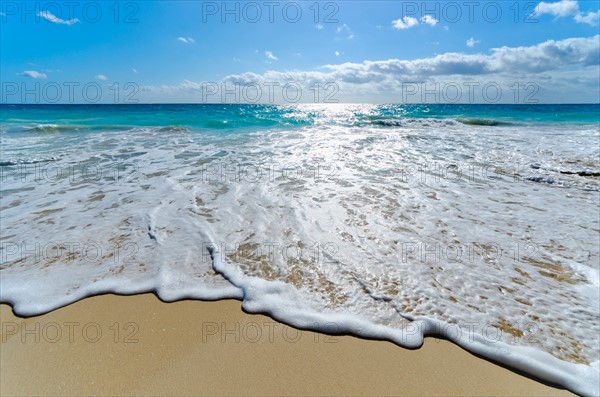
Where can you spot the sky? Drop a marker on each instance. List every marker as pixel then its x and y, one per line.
pixel 300 51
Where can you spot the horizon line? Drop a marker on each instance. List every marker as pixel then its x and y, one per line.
pixel 294 104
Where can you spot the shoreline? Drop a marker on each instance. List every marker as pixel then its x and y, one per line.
pixel 139 345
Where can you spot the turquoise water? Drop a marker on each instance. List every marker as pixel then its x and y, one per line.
pixel 230 117
pixel 476 222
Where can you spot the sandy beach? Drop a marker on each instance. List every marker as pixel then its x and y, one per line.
pixel 413 187
pixel 138 345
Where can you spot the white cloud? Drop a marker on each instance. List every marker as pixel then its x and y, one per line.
pixel 547 56
pixel 405 23
pixel 540 58
pixel 101 77
pixel 471 42
pixel 591 18
pixel 563 8
pixel 187 40
pixel 337 53
pixel 33 74
pixel 565 70
pixel 134 70
pixel 47 15
pixel 270 56
pixel 567 8
pixel 345 29
pixel 409 22
pixel 429 20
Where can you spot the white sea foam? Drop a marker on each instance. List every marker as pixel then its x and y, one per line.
pixel 392 232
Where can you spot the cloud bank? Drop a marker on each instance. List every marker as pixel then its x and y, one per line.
pixel 563 70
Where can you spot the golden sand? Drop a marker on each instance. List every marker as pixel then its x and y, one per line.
pixel 138 345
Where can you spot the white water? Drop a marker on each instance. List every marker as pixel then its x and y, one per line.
pixel 365 230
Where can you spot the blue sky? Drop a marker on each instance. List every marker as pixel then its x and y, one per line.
pixel 370 50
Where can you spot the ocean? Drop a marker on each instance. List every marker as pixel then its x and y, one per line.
pixel 478 223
